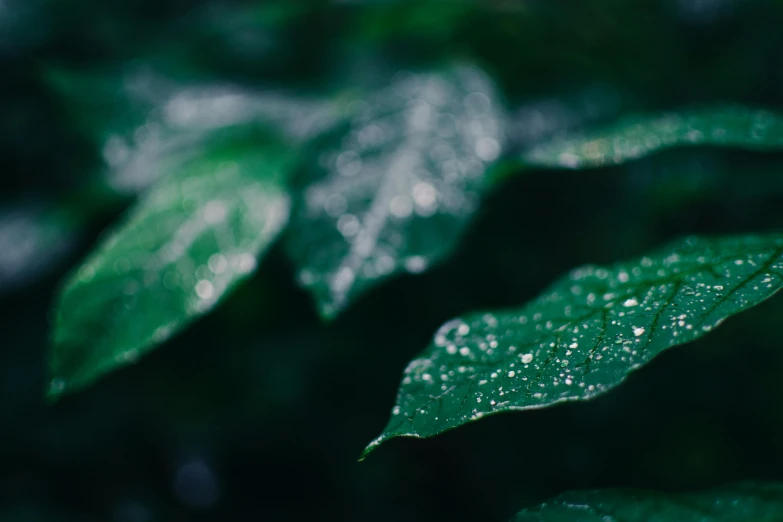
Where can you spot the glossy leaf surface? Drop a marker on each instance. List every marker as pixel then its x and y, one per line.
pixel 584 335
pixel 183 246
pixel 638 136
pixel 736 503
pixel 393 190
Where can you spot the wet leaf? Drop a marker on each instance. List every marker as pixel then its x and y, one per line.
pixel 637 136
pixel 584 335
pixel 148 124
pixel 193 116
pixel 736 503
pixel 180 249
pixel 394 190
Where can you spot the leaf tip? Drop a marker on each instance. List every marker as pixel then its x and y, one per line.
pixel 372 446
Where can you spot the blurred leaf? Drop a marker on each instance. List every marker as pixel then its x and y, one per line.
pixel 634 137
pixel 428 19
pixel 394 190
pixel 33 239
pixel 188 118
pixel 105 101
pixel 738 503
pixel 183 246
pixel 406 19
pixel 584 335
pixel 148 124
pixel 225 18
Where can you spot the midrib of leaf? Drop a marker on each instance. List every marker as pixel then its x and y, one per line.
pixel 650 335
pixel 377 215
pixel 367 238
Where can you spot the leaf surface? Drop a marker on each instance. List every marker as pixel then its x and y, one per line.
pixel 736 503
pixel 394 189
pixel 148 123
pixel 584 335
pixel 179 250
pixel 637 136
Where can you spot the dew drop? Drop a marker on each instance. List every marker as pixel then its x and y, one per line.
pixel 204 289
pixel 217 263
pixel 638 331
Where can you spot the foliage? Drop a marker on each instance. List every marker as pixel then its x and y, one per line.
pixel 736 503
pixel 288 198
pixel 185 244
pixel 583 335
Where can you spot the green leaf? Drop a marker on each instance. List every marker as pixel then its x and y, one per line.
pixel 637 136
pixel 737 503
pixel 180 249
pixel 394 190
pixel 584 335
pixel 148 123
pixel 101 102
pixel 192 117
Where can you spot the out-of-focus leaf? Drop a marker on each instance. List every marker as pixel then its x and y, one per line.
pixel 181 248
pixel 100 102
pixel 148 124
pixel 430 19
pixel 190 117
pixel 394 190
pixel 584 335
pixel 32 239
pixel 737 503
pixel 637 136
pixel 556 116
pixel 427 19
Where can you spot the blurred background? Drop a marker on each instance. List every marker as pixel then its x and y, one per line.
pixel 260 410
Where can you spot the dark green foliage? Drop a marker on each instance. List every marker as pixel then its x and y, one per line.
pixel 635 137
pixel 584 334
pixel 215 179
pixel 394 190
pixel 185 244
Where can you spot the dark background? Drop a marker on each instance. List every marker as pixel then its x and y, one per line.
pixel 260 410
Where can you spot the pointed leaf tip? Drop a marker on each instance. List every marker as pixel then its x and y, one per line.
pixel 372 446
